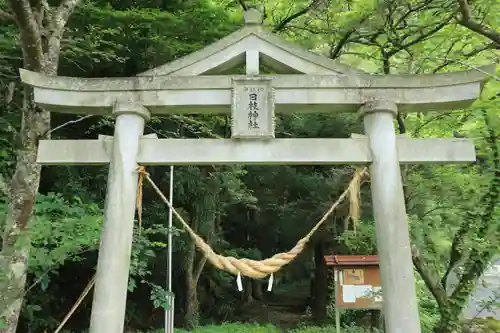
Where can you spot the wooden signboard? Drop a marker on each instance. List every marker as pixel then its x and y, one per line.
pixel 357 281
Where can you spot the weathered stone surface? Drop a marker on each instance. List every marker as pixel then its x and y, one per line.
pixel 294 93
pixel 389 210
pixel 110 296
pixel 252 112
pixel 277 151
pixel 291 81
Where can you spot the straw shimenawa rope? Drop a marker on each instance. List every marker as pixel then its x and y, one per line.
pixel 256 269
pixel 354 200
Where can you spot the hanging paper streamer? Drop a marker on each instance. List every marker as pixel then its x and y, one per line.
pixel 270 283
pixel 239 283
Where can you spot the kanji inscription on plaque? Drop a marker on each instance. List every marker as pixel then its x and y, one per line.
pixel 253 108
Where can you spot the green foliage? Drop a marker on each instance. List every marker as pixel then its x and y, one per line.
pixel 429 310
pixel 255 328
pixel 233 327
pixel 102 39
pixel 146 244
pixel 362 240
pixel 331 328
pixel 61 231
pixel 488 325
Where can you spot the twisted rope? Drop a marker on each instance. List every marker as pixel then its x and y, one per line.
pixel 256 269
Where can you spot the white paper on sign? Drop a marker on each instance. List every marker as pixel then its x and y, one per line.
pixel 349 294
pixel 363 291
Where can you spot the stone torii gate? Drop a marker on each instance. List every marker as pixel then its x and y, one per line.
pixel 307 82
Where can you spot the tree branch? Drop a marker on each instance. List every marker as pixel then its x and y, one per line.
pixel 465 19
pixel 335 50
pixel 69 123
pixel 283 23
pixel 439 116
pixel 199 269
pixel 4 188
pixel 7 17
pixel 30 34
pixel 430 277
pixel 63 13
pixel 467 55
pixel 423 36
pixel 243 5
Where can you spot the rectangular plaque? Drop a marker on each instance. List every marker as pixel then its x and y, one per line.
pixel 252 110
pixel 353 276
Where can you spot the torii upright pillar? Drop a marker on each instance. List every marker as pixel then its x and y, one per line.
pixel 113 265
pixel 393 238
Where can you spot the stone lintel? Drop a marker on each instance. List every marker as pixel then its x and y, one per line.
pixel 287 100
pixel 144 83
pixel 256 152
pixel 294 93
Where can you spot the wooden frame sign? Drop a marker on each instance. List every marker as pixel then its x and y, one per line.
pixel 357 281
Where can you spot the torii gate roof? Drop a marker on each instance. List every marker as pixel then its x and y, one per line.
pixel 199 82
pixel 274 52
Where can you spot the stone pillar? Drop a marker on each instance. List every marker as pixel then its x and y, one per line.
pixel 393 242
pixel 110 293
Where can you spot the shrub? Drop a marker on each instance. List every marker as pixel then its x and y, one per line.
pixel 232 328
pixel 330 329
pixel 255 328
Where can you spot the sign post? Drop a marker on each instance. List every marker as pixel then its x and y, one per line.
pixel 357 283
pixel 170 310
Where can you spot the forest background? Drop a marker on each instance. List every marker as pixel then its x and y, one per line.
pixel 48 257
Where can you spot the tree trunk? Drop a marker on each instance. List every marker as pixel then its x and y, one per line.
pixel 444 325
pixel 22 194
pixel 41 29
pixel 191 314
pixel 248 291
pixel 191 307
pixel 203 211
pixel 320 285
pixel 450 315
pixel 257 290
